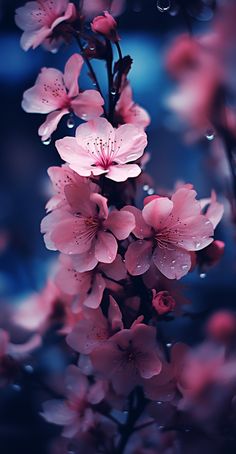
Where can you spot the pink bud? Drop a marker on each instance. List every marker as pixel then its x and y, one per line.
pixel 222 326
pixel 162 302
pixel 106 25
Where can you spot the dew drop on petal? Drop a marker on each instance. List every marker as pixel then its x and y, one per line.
pixel 84 116
pixel 202 275
pixel 184 267
pixel 173 262
pixel 47 141
pixel 210 134
pixel 197 244
pixel 163 5
pixel 70 122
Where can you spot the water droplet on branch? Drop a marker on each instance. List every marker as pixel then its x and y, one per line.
pixel 47 141
pixel 163 5
pixel 70 122
pixel 210 134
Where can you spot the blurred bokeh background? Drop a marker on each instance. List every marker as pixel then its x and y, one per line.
pixel 146 34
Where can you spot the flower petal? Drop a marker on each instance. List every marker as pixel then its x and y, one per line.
pixel 105 247
pixel 138 257
pixel 174 263
pixel 157 211
pixel 120 223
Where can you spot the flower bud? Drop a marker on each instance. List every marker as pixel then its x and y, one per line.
pixel 162 302
pixel 106 25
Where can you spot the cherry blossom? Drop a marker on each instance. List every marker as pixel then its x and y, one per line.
pixel 88 285
pixel 168 230
pixel 57 94
pixel 127 111
pixel 86 228
pixel 99 149
pixel 162 302
pixel 94 328
pixel 106 25
pixel 38 19
pixel 126 359
pixel 75 413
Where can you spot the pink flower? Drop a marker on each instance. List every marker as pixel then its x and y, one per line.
pixel 128 358
pixel 99 149
pixel 39 18
pixel 162 302
pixel 106 25
pixel 85 227
pixel 75 413
pixel 88 285
pixel 94 328
pixel 127 111
pixel 57 94
pixel 168 230
pixel 40 310
pixel 222 326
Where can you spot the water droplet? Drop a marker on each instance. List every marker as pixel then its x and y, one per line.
pixel 169 344
pixel 138 267
pixel 173 261
pixel 197 245
pixel 84 116
pixel 29 369
pixel 70 122
pixel 113 91
pixel 47 141
pixel 151 191
pixel 16 387
pixel 207 222
pixel 54 50
pixel 91 48
pixel 184 267
pixel 172 267
pixel 163 5
pixel 210 134
pixel 159 402
pixel 145 187
pixel 202 275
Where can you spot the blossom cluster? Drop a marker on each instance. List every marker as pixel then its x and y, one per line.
pixel 112 286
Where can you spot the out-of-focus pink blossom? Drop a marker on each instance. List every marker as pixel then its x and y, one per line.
pixel 168 230
pixel 91 8
pixel 89 285
pixel 86 228
pixel 99 149
pixel 127 111
pixel 94 328
pixel 39 310
pixel 75 413
pixel 106 25
pixel 162 302
pixel 39 18
pixel 222 326
pixel 57 94
pixel 128 358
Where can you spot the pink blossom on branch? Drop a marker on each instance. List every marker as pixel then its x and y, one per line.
pixel 99 149
pixel 38 19
pixel 168 230
pixel 58 94
pixel 127 111
pixel 128 358
pixel 85 227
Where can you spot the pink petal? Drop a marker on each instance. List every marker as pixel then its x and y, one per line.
pixel 115 270
pixel 76 383
pixel 105 247
pixel 50 125
pixel 57 412
pixel 214 213
pixel 120 223
pixel 138 257
pixel 77 157
pixel 90 131
pixel 141 230
pixel 48 93
pixel 71 74
pixel 95 294
pixel 185 204
pixel 174 263
pixel 88 105
pixel 121 172
pixel 157 211
pixel 34 38
pixel 70 236
pixel 101 203
pixel 132 141
pixel 84 262
pixel 114 315
pixel 106 359
pixel 88 333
